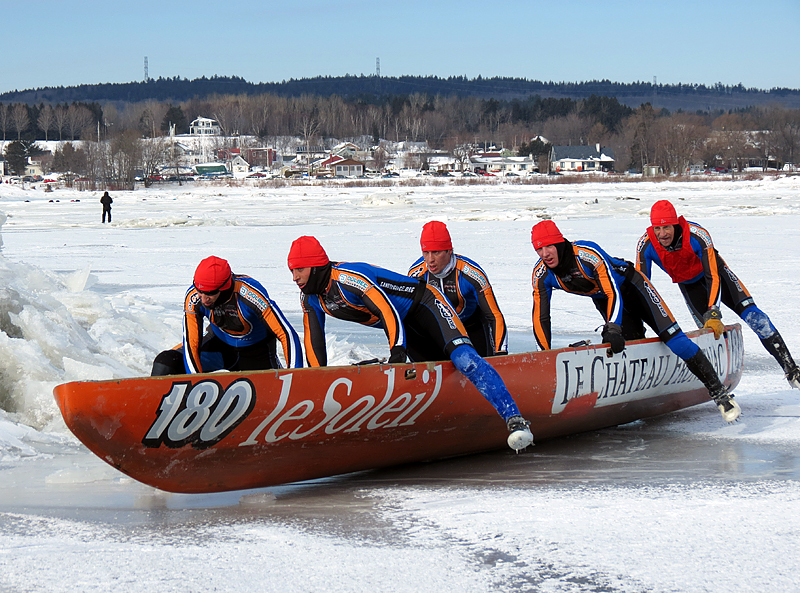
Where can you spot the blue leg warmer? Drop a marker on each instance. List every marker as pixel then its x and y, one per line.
pixel 682 346
pixel 485 379
pixel 758 322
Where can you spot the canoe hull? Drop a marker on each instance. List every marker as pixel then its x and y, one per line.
pixel 229 431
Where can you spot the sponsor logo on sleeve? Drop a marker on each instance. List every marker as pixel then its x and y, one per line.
pixel 701 234
pixel 253 297
pixel 589 256
pixel 353 281
pixel 468 270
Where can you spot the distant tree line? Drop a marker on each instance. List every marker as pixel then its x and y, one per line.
pixel 641 136
pixel 375 89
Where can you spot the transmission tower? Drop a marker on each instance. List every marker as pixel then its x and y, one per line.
pixel 378 67
pixel 146 75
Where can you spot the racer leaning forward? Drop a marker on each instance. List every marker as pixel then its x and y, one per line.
pixel 245 326
pixel 466 287
pixel 418 321
pixel 625 299
pixel 705 280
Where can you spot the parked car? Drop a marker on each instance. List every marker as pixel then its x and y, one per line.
pixel 256 175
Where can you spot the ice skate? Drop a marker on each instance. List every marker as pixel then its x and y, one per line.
pixel 793 376
pixel 728 407
pixel 520 435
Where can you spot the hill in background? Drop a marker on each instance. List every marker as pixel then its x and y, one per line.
pixel 691 97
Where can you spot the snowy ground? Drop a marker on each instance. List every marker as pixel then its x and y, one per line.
pixel 677 503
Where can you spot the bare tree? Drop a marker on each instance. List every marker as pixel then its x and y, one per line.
pixel 125 151
pixel 570 130
pixel 228 112
pixel 380 158
pixel 151 119
pixel 19 119
pixel 175 158
pixel 639 131
pixel 46 120
pixel 309 129
pixel 153 156
pixel 788 135
pixel 730 147
pixel 60 117
pixel 680 139
pixel 96 167
pixel 78 117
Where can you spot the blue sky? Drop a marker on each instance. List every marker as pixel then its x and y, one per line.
pixel 66 42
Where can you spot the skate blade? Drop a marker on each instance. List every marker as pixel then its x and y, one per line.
pixel 732 415
pixel 519 439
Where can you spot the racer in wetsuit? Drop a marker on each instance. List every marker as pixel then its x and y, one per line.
pixel 624 297
pixel 705 280
pixel 245 326
pixel 466 287
pixel 418 321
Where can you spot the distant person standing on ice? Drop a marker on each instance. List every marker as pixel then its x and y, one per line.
pixel 417 319
pixel 625 299
pixel 465 285
pixel 684 250
pixel 106 201
pixel 245 326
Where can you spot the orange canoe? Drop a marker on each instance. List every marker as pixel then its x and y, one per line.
pixel 228 431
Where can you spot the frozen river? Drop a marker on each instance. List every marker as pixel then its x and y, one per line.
pixel 676 503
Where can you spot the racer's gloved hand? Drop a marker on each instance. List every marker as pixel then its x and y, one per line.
pixel 398 355
pixel 612 335
pixel 713 321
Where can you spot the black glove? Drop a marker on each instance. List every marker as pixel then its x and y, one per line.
pixel 612 335
pixel 398 355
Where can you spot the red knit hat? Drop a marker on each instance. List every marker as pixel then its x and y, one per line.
pixel 435 237
pixel 663 213
pixel 213 273
pixel 306 252
pixel 545 233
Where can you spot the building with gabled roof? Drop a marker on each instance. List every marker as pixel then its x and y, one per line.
pixel 590 159
pixel 348 168
pixel 204 126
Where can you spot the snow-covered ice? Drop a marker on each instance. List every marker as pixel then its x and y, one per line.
pixel 677 503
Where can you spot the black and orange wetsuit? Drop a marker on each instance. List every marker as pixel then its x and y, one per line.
pixel 467 288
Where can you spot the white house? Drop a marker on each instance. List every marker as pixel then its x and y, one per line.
pixel 577 159
pixel 348 168
pixel 503 165
pixel 238 166
pixel 204 126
